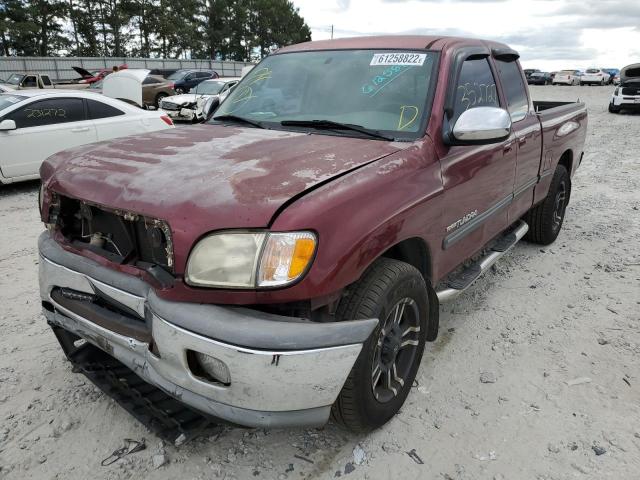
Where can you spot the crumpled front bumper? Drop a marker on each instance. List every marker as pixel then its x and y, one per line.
pixel 283 371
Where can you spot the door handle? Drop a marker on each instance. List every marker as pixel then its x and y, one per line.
pixel 522 141
pixel 507 148
pixel 80 129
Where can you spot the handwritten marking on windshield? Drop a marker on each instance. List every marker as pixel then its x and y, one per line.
pixel 246 92
pixel 403 122
pixel 377 83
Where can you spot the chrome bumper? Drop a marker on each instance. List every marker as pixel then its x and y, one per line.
pixel 276 380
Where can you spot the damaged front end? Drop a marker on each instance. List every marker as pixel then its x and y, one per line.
pixel 237 364
pixel 122 237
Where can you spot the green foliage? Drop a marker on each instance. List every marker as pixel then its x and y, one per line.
pixel 221 29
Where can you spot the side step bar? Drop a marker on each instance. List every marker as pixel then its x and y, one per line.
pixel 458 284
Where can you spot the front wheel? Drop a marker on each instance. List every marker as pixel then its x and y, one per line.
pixel 613 108
pixel 545 219
pixel 159 98
pixel 380 380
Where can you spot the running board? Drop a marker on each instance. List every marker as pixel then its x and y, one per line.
pixel 463 280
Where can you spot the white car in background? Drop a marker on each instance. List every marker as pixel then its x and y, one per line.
pixel 594 76
pixel 626 96
pixel 566 77
pixel 188 106
pixel 35 124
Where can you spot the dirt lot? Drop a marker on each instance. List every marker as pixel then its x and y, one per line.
pixel 535 366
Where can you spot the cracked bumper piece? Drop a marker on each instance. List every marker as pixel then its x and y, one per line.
pixel 282 371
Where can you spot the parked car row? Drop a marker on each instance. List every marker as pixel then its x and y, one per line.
pixel 591 76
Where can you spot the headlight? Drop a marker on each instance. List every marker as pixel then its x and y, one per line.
pixel 250 259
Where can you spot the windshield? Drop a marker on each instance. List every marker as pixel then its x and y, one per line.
pixel 15 79
pixel 176 75
pixel 593 70
pixel 382 90
pixel 8 100
pixel 209 88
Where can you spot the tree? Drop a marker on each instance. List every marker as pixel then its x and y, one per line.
pixel 218 29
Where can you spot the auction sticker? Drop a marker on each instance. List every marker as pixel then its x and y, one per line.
pixel 398 58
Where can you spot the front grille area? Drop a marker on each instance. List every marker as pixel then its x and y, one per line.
pixel 631 90
pixel 169 106
pixel 122 237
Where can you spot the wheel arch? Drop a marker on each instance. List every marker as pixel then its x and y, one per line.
pixel 415 252
pixel 566 160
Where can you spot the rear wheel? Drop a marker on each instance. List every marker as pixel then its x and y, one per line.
pixel 380 380
pixel 545 219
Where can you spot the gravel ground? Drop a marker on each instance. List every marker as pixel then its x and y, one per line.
pixel 536 372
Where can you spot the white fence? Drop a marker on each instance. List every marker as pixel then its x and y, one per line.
pixel 59 68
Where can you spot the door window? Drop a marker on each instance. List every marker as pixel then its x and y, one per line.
pixel 30 81
pixel 46 81
pixel 97 110
pixel 514 89
pixel 476 87
pixel 49 112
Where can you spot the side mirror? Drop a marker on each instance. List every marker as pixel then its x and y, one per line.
pixel 482 125
pixel 7 125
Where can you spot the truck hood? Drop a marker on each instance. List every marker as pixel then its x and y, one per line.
pixel 207 177
pixel 185 98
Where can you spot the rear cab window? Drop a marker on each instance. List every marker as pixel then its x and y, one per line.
pixel 514 89
pixel 49 112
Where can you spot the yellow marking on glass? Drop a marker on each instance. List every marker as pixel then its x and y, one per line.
pixel 402 122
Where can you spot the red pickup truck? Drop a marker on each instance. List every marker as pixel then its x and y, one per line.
pixel 285 261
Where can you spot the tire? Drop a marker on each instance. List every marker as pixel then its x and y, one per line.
pixel 545 219
pixel 180 91
pixel 159 98
pixel 613 109
pixel 387 288
pixel 581 84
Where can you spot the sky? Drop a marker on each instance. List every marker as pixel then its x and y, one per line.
pixel 549 34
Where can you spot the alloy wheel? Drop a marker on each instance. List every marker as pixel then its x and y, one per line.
pixel 396 350
pixel 559 206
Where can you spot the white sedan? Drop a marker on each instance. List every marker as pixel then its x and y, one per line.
pixel 594 76
pixel 35 124
pixel 566 77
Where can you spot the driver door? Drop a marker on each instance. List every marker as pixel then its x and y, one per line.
pixel 478 179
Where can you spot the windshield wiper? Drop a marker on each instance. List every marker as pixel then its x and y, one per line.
pixel 235 118
pixel 330 124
